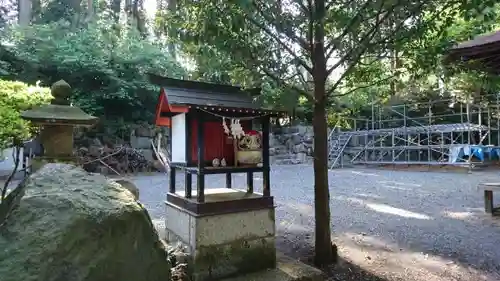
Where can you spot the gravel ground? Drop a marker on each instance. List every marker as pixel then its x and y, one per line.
pixel 388 225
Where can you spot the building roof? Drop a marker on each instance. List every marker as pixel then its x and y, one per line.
pixel 481 40
pixel 482 52
pixel 182 92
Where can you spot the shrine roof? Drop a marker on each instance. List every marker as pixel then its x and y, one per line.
pixel 183 92
pixel 481 40
pixel 482 52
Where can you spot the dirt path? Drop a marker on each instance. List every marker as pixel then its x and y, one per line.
pixel 388 225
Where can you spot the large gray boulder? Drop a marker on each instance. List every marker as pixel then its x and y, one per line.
pixel 69 225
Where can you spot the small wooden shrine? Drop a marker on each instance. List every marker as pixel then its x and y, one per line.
pixel 211 130
pixel 482 52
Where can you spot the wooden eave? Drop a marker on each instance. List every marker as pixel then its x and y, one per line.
pixel 239 111
pixel 481 53
pixel 180 103
pixel 165 110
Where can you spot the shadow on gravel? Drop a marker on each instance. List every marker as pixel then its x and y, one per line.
pixel 429 222
pixel 434 218
pixel 469 242
pixel 408 238
pixel 343 270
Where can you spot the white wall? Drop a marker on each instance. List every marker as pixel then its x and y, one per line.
pixel 179 138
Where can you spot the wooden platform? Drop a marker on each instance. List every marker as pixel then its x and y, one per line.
pixel 219 201
pixel 221 194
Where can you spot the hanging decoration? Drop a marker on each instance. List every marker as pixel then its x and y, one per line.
pixel 236 129
pixel 247 145
pixel 224 126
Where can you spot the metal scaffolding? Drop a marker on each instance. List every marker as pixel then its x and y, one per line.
pixel 465 134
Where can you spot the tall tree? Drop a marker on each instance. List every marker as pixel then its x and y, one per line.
pixel 311 44
pixel 24 12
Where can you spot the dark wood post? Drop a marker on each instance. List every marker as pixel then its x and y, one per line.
pixel 171 169
pixel 172 179
pixel 188 177
pixel 266 189
pixel 488 201
pixel 229 180
pixel 250 182
pixel 201 162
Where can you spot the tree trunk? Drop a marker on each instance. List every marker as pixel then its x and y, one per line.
pixel 90 10
pixel 172 32
pixel 129 12
pixel 139 17
pixel 158 29
pixel 24 12
pixel 36 10
pixel 323 243
pixel 115 8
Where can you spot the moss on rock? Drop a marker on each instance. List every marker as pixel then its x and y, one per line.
pixel 70 225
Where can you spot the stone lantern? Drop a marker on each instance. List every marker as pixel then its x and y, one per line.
pixel 58 120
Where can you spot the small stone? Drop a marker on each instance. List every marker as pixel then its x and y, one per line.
pixel 103 170
pixel 94 151
pixel 130 186
pixel 296 139
pixel 301 157
pixel 159 166
pixel 299 148
pixel 96 142
pixel 144 132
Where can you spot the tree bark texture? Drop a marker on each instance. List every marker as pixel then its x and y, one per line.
pixel 90 9
pixel 172 32
pixel 24 12
pixel 323 246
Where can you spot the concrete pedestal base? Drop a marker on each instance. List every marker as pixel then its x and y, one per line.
pixel 226 244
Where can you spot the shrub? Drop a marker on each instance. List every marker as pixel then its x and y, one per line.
pixel 14 98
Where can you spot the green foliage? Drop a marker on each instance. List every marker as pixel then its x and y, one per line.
pixel 105 63
pixel 271 40
pixel 415 72
pixel 14 98
pixel 105 59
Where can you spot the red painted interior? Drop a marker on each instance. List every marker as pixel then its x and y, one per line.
pixel 216 142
